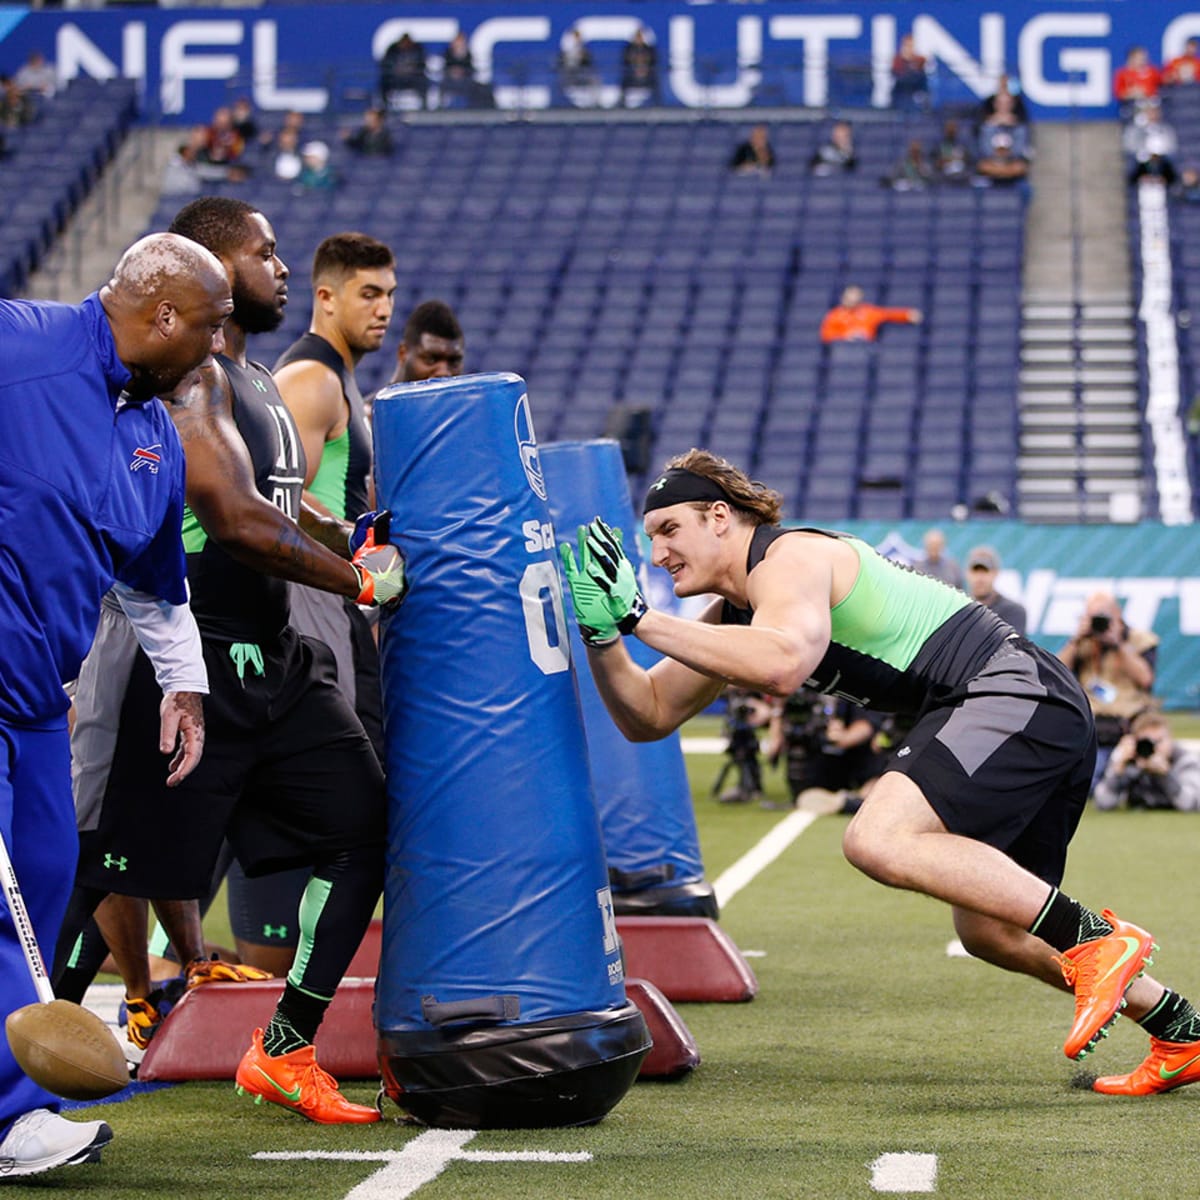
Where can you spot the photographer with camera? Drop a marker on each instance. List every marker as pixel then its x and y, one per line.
pixel 1149 769
pixel 745 714
pixel 828 747
pixel 1115 666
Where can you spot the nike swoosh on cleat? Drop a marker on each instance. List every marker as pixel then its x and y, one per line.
pixel 293 1095
pixel 1163 1073
pixel 1131 947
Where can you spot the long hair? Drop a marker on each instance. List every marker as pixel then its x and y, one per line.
pixel 758 504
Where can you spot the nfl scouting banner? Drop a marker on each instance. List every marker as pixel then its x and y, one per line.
pixel 719 55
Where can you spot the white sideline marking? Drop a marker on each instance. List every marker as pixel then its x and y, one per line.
pixel 704 745
pixel 904 1173
pixel 955 949
pixel 761 856
pixel 420 1162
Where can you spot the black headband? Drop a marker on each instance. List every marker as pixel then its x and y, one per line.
pixel 679 486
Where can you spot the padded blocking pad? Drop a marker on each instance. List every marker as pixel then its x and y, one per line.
pixel 687 958
pixel 208 1031
pixel 675 1052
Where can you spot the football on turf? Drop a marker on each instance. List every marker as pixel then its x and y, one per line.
pixel 67 1050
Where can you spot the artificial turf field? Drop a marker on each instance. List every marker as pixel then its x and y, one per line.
pixel 865 1040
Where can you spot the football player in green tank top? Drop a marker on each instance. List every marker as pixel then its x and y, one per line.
pixel 975 807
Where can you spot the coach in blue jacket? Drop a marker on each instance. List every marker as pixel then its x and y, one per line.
pixel 91 496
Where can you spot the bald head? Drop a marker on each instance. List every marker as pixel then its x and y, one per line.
pixel 166 303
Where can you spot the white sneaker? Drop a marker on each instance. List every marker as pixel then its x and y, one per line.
pixel 40 1140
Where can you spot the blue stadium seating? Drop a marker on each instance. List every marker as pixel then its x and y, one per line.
pixel 52 164
pixel 623 265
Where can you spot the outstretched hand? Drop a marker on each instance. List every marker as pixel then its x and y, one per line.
pixel 610 569
pixel 596 624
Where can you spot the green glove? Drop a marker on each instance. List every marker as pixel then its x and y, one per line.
pixel 596 625
pixel 612 571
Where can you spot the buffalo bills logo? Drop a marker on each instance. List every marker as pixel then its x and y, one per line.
pixel 148 457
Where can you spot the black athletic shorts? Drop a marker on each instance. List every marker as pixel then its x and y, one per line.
pixel 1008 761
pixel 287 774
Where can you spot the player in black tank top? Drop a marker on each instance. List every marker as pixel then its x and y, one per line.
pixel 976 806
pixel 232 599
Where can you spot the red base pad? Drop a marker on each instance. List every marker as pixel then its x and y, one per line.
pixel 209 1030
pixel 686 958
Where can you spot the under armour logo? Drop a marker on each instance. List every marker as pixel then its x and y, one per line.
pixel 658 487
pixel 111 862
pixel 903 751
pixel 259 385
pixel 279 931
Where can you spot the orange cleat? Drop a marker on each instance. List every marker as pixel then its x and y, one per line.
pixel 1100 973
pixel 295 1081
pixel 1168 1065
pixel 216 970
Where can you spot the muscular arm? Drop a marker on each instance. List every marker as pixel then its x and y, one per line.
pixel 647 705
pixel 313 394
pixel 221 492
pixel 789 592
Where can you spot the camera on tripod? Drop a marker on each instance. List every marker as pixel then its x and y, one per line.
pixel 743 717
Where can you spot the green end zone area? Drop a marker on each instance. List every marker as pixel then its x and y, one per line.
pixel 865 1040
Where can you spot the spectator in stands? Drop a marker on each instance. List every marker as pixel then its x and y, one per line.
pixel 1115 665
pixel 1002 165
pixel 953 159
pixel 225 144
pixel 1185 68
pixel 403 82
pixel 754 156
pixel 577 72
pixel 316 172
pixel 16 107
pixel 1137 81
pixel 855 321
pixel 639 70
pixel 983 565
pixel 36 76
pixel 1148 768
pixel 182 174
pixel 1188 190
pixel 1004 87
pixel 293 122
pixel 372 138
pixel 244 121
pixel 937 562
pixel 910 80
pixel 1151 143
pixel 836 155
pixel 287 164
pixel 1004 123
pixel 913 172
pixel 191 164
pixel 459 86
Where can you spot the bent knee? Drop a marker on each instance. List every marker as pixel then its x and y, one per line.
pixel 869 853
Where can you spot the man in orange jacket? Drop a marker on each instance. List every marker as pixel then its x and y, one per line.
pixel 854 321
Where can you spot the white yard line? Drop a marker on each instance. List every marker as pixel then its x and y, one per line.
pixel 420 1162
pixel 759 857
pixel 904 1173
